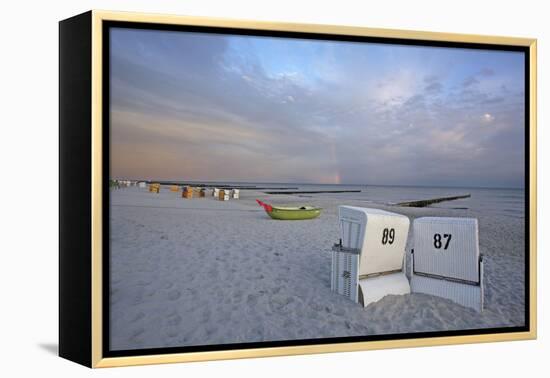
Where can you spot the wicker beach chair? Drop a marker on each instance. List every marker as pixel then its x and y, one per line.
pixel 223 195
pixel 367 264
pixel 445 260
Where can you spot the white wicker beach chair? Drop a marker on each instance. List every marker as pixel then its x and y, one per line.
pixel 367 264
pixel 445 260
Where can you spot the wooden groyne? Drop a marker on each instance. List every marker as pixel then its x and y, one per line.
pixel 219 185
pixel 428 202
pixel 313 192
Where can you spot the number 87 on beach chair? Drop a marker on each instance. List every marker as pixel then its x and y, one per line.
pixel 446 262
pixel 367 263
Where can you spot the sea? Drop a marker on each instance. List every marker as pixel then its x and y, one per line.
pixel 490 201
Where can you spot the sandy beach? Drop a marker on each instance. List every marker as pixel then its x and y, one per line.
pixel 202 271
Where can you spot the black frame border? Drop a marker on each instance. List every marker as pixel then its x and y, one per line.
pixel 107 25
pixel 75 201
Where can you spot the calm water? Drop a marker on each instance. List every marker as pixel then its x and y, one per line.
pixel 504 202
pixel 507 202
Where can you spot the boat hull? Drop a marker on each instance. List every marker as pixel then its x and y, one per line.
pixel 298 214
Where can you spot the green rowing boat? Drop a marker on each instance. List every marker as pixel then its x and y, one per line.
pixel 290 213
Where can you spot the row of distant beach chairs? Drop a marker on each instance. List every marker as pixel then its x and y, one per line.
pixel 187 191
pixel 368 263
pixel 190 192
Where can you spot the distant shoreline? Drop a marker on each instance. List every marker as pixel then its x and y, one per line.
pixel 284 185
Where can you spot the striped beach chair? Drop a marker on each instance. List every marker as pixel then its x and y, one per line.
pixel 445 260
pixel 367 263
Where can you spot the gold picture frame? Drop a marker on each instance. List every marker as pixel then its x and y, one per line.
pixel 90 329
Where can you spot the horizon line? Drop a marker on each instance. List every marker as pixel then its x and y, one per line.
pixel 339 184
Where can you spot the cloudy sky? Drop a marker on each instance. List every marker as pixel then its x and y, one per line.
pixel 191 106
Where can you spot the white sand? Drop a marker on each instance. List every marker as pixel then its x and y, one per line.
pixel 201 271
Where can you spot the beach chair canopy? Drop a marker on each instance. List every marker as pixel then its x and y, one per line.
pixel 380 235
pixel 447 247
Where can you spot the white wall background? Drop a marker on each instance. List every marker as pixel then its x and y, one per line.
pixel 28 190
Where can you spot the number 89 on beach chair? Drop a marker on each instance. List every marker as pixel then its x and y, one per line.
pixel 367 264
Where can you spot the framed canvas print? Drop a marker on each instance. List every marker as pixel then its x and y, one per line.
pixel 234 189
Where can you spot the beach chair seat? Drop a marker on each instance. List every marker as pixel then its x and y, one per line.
pixel 367 264
pixel 187 192
pixel 223 195
pixel 445 260
pixel 154 188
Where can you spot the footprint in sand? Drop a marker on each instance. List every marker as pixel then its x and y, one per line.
pixel 315 306
pixel 168 285
pixel 140 315
pixel 136 333
pixel 144 282
pixel 172 332
pixel 174 320
pixel 172 312
pixel 213 273
pixel 256 333
pixel 279 302
pixel 252 299
pixel 338 312
pixel 138 299
pixel 211 329
pixel 238 296
pixel 173 295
